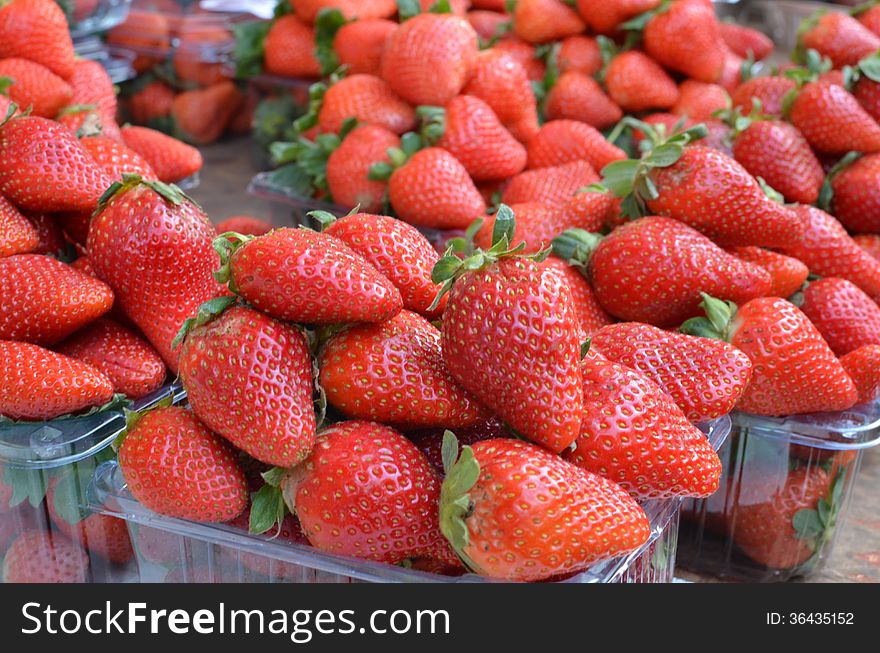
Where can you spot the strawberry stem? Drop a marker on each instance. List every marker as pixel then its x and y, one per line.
pixel 462 472
pixel 718 321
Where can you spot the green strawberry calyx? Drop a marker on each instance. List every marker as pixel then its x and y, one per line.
pixel 325 218
pixel 316 101
pixel 226 245
pixel 718 322
pixel 268 508
pixel 826 193
pixel 208 311
pixel 816 525
pixel 327 24
pixel 858 10
pixel 169 192
pixel 638 23
pixel 433 123
pixel 117 402
pixel 576 246
pixel 410 143
pixel 133 417
pixel 250 39
pixel 5 83
pixel 310 156
pixel 807 25
pixel 407 9
pixel 462 472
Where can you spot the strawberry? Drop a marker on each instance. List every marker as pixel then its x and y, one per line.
pixel 299 275
pixel 852 201
pixel 429 58
pixel 289 49
pixel 787 274
pixel 246 225
pixel 17 234
pixel 700 101
pixel 393 373
pixel 551 185
pixel 637 83
pixel 869 243
pixel 288 532
pixel 589 313
pixel 542 21
pixel 193 37
pixel 38 556
pixel 686 38
pixel 845 316
pixel 37 30
pixel 516 512
pixel 150 103
pixel 83 120
pixel 308 10
pixel 144 32
pixel 526 54
pixel 869 17
pixel 705 377
pixel 51 237
pixel 838 36
pixel 563 141
pixel 91 85
pixel 579 53
pixel 203 114
pixel 469 130
pixel 576 96
pixel 368 492
pixel 368 99
pixel 348 167
pixel 605 16
pixel 829 251
pixel 732 72
pixel 238 357
pixel 39 384
pixel 397 250
pixel 176 467
pixel 653 270
pixel 793 368
pixel 152 245
pixel 867 92
pixel 67 299
pixel 499 300
pixel 490 26
pixel 769 91
pixel 116 159
pixel 430 441
pixel 745 41
pixel 832 120
pixel 863 367
pixel 131 364
pixel 35 86
pixel 359 45
pixel 171 159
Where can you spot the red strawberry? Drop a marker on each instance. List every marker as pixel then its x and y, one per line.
pixel 289 532
pixel 35 86
pixel 67 299
pixel 429 58
pixel 637 83
pixel 869 243
pixel 793 369
pixel 398 251
pixel 52 241
pixel 542 21
pixel 514 511
pixel 787 274
pixel 870 18
pixel 551 185
pixel 37 30
pixel 863 367
pixel 705 377
pixel 469 130
pixel 770 91
pixel 17 234
pixel 289 49
pixel 131 364
pixel 39 384
pixel 150 103
pixel 489 25
pixel 394 373
pixel 116 159
pixel 845 316
pixel 82 120
pixel 732 72
pixel 852 202
pixel 590 314
pixel 299 275
pixel 348 167
pixel 368 99
pixel 430 441
pixel 564 141
pixel 172 160
pixel 745 41
pixel 176 467
pixel 576 96
pixel 202 115
pixel 653 270
pixel 359 45
pixel 246 225
pixel 832 120
pixel 686 38
pixel 152 245
pixel 249 379
pixel 146 32
pixel 605 16
pixel 91 85
pixel 526 54
pixel 368 492
pixel 39 556
pixel 867 92
pixel 44 168
pixel 579 53
pixel 838 36
pixel 308 10
pixel 699 101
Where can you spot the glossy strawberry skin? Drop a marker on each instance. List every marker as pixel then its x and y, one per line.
pixel 637 83
pixel 770 91
pixel 17 234
pixel 563 141
pixel 37 30
pixel 787 274
pixel 348 167
pixel 172 160
pixel 430 441
pixel 686 38
pixel 870 243
pixel 576 96
pixel 92 85
pixel 579 53
pixel 302 276
pixel 744 40
pixel 489 316
pixel 542 21
pixel 589 312
pixel 551 185
pixel 176 467
pixel 853 203
pixel 359 45
pixel 699 100
pixel 653 270
pixel 604 16
pixel 841 38
pixel 845 316
pixel 863 367
pixel 116 159
pixel 833 121
pixel 246 225
pixel 289 49
pixel 40 384
pixel 369 99
pixel 35 86
pixel 38 556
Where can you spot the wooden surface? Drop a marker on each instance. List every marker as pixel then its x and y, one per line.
pixel 229 167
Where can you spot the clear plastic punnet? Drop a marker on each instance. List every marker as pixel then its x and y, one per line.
pixel 87 17
pixel 783 498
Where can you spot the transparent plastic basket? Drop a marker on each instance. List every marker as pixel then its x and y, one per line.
pixel 88 17
pixel 175 550
pixel 774 467
pixel 118 66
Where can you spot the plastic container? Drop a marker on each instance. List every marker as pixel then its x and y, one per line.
pixel 174 550
pixel 118 66
pixel 784 495
pixel 87 17
pixel 45 469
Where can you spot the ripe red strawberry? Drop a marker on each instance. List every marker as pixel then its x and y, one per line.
pixel 579 53
pixel 288 532
pixel 838 36
pixel 516 512
pixel 201 115
pixel 39 384
pixel 699 101
pixel 576 96
pixel 870 18
pixel 489 25
pixel 39 556
pixel 732 72
pixel 249 379
pixel 705 377
pixel 589 312
pixel 83 120
pixel 346 505
pixel 359 45
pixel 653 270
pixel 469 130
pixel 745 41
pixel 552 185
pixel 176 467
pixel 348 167
pixel 686 38
pixel 793 369
pixel 869 243
pixel 393 373
pixel 863 367
pixel 67 299
pixel 131 364
pixel 299 275
pixel 430 441
pixel 852 202
pixel 526 54
pixel 399 251
pixel 17 234
pixel 787 274
pixel 172 160
pixel 832 120
pixel 770 91
pixel 429 58
pixel 308 10
pixel 637 83
pixel 116 159
pixel 867 92
pixel 43 167
pixel 35 86
pixel 289 49
pixel 542 21
pixel 433 189
pixel 246 225
pixel 830 252
pixel 845 316
pixel 150 103
pixel 37 30
pixel 564 141
pixel 605 16
pixel 152 245
pixel 368 99
pixel 91 85
pixel 52 241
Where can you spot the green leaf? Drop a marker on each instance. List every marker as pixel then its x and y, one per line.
pixel 585 347
pixel 410 143
pixel 505 225
pixel 619 176
pixel 267 510
pixel 807 524
pixel 380 171
pixel 69 493
pixel 665 155
pixel 576 246
pixel 27 485
pixel 292 178
pixel 440 7
pixel 769 191
pixel 449 451
pixel 250 38
pixel 406 9
pixel 327 24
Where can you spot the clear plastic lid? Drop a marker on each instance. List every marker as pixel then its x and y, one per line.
pixel 87 18
pixel 118 66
